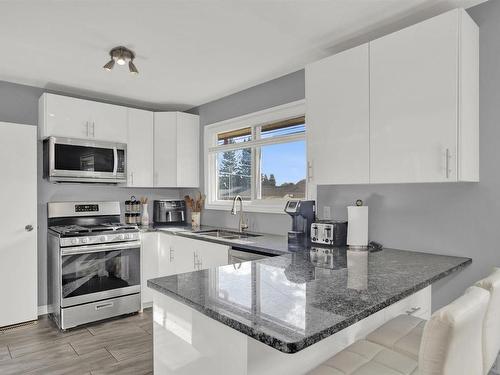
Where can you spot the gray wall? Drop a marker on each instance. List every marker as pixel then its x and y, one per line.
pixel 19 104
pixel 456 219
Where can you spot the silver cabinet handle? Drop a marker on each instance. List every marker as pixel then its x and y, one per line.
pixel 88 131
pixel 309 171
pixel 93 129
pixel 28 228
pixel 131 178
pixel 412 311
pixel 447 164
pixel 171 254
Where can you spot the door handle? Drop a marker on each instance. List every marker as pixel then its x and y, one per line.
pixel 93 129
pixel 28 228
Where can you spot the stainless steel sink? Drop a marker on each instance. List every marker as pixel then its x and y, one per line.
pixel 227 234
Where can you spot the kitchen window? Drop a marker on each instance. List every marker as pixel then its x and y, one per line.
pixel 261 157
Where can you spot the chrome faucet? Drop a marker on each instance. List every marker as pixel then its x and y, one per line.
pixel 242 225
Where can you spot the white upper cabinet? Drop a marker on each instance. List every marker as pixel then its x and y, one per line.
pixel 140 148
pixel 176 149
pixel 424 100
pixel 63 116
pixel 403 109
pixel 109 122
pixel 337 117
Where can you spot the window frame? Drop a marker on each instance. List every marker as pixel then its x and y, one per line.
pixel 252 120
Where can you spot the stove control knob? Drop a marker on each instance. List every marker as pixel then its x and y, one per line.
pixel 84 240
pixel 74 241
pixel 120 237
pixel 102 238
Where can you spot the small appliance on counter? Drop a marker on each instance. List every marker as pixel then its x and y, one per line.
pixel 169 212
pixel 329 232
pixel 303 215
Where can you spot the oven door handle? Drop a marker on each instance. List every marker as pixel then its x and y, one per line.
pixel 115 161
pixel 100 248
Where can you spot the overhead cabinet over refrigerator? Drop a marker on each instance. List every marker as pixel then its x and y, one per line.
pixel 420 87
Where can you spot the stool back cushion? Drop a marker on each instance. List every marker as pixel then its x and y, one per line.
pixel 491 326
pixel 452 338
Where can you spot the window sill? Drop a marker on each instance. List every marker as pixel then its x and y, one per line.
pixel 248 207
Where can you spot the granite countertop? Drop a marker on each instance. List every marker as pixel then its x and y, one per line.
pixel 294 300
pixel 264 243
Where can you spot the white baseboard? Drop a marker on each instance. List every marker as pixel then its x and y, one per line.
pixel 44 310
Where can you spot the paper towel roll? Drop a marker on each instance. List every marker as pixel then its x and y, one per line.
pixel 357 226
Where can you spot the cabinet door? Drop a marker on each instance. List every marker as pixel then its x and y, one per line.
pixel 140 148
pixel 62 116
pixel 337 116
pixel 149 263
pixel 188 148
pixel 183 255
pixel 165 149
pixel 109 122
pixel 165 255
pixel 414 99
pixel 211 255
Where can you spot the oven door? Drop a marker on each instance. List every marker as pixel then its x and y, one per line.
pixel 97 272
pixel 83 160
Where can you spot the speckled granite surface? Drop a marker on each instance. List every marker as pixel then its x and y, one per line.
pixel 289 303
pixel 266 243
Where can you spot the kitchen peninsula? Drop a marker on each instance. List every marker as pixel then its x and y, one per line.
pixel 289 313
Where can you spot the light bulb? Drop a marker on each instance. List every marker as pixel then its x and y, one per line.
pixel 120 61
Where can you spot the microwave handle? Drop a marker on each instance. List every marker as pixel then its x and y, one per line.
pixel 115 161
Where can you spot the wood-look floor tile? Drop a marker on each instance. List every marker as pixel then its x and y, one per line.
pixel 130 347
pixel 107 339
pixel 20 348
pixel 37 360
pixel 121 323
pixel 138 365
pixel 81 365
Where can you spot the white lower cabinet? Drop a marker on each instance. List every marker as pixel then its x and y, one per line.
pixel 149 264
pixel 165 254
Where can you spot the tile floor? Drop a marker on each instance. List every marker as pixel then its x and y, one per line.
pixel 120 346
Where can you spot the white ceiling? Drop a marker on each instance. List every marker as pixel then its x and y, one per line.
pixel 188 52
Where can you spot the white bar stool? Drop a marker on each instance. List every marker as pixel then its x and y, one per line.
pixel 451 345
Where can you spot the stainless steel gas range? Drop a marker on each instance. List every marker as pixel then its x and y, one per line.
pixel 94 263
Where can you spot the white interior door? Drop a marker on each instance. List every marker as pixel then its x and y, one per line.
pixel 18 224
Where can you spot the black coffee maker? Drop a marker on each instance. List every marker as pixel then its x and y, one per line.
pixel 303 215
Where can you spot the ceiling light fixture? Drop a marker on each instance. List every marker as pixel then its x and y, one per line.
pixel 121 55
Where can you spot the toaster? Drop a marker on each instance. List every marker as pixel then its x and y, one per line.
pixel 329 232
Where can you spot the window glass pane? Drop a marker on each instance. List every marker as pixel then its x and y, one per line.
pixel 234 174
pixel 234 136
pixel 283 170
pixel 285 127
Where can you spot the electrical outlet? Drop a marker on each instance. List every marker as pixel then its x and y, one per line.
pixel 327 213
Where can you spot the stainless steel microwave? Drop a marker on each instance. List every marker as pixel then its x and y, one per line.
pixel 84 160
